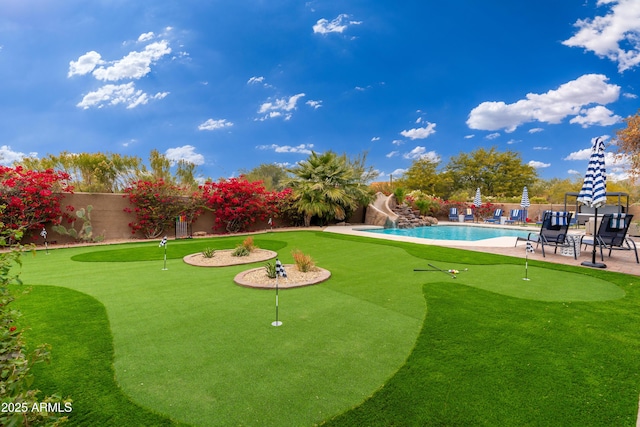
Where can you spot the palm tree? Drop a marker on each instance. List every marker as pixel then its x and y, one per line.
pixel 329 186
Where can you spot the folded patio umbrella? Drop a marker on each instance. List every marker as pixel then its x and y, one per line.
pixel 477 201
pixel 594 190
pixel 524 203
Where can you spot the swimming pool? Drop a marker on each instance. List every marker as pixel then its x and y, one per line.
pixel 451 232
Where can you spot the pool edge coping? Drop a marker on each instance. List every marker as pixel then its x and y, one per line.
pixel 359 230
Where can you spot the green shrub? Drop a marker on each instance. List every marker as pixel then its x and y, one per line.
pixel 241 251
pixel 85 234
pixel 208 252
pixel 17 361
pixel 245 248
pixel 399 194
pixel 270 267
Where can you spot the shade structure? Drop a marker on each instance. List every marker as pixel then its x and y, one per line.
pixel 477 201
pixel 594 190
pixel 524 203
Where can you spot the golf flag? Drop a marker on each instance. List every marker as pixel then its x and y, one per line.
pixel 163 242
pixel 280 271
pixel 526 260
pixel 43 233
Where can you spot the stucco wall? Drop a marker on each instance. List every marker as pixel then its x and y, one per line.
pixel 111 221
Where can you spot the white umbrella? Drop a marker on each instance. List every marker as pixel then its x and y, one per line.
pixel 525 203
pixel 594 190
pixel 477 201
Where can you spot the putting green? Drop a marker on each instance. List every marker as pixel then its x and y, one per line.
pixel 192 345
pixel 543 285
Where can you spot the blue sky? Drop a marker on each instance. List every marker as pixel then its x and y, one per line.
pixel 230 85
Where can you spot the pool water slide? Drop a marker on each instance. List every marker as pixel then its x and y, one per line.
pixel 379 212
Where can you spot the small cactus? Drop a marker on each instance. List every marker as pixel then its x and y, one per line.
pixel 85 234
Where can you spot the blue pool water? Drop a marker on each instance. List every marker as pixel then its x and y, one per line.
pixel 449 232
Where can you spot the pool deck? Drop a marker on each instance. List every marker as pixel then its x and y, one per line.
pixel 619 261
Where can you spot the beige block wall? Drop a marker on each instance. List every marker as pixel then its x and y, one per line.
pixel 111 221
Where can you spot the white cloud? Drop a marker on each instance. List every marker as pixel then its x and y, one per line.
pixel 597 115
pixel 375 138
pixel 255 80
pixel 573 172
pixel 337 25
pixel 397 142
pixel 610 159
pixel 492 136
pixel 135 65
pixel 420 133
pixel 280 107
pixel 513 141
pixel 615 164
pixel 579 155
pixel 551 107
pixel 630 95
pixel 314 104
pixel 211 124
pixel 186 153
pixel 421 153
pixel 398 172
pixel 541 148
pixel 392 154
pixel 536 130
pixel 85 64
pixel 145 37
pixel 117 94
pixel 615 36
pixel 8 156
pixel 538 165
pixel 302 148
pixel 469 136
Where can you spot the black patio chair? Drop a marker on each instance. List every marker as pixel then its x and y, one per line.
pixel 554 232
pixel 612 235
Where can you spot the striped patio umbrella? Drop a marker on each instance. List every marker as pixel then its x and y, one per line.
pixel 525 203
pixel 594 189
pixel 477 201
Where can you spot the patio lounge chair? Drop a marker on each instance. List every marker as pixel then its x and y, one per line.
pixel 453 214
pixel 514 216
pixel 468 214
pixel 496 216
pixel 612 235
pixel 553 232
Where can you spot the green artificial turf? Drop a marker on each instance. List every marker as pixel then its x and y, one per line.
pixel 150 251
pixel 500 361
pixel 191 345
pixel 77 328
